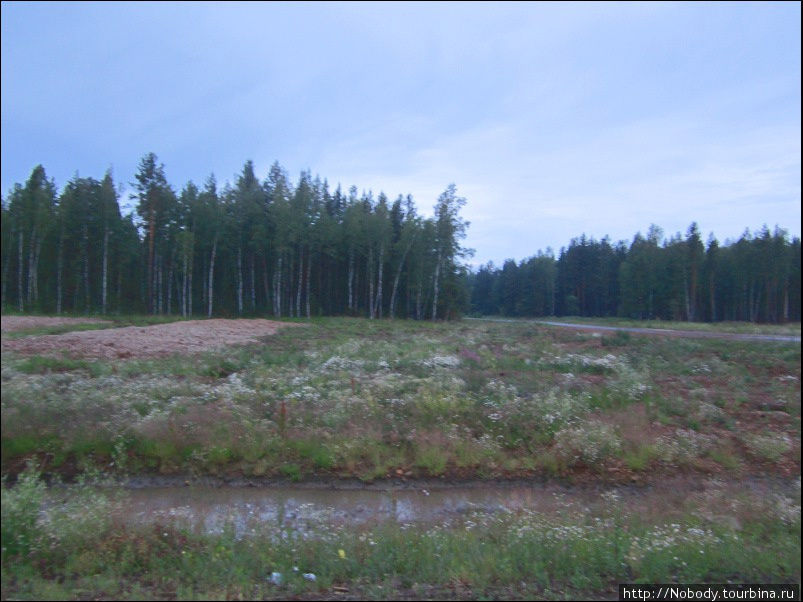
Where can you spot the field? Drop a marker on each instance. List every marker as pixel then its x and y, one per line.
pixel 401 404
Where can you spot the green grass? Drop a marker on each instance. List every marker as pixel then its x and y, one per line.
pixel 44 364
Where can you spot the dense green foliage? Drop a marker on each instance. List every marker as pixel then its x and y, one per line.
pixel 755 279
pixel 258 247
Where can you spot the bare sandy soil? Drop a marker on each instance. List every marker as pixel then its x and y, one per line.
pixel 194 336
pixel 15 323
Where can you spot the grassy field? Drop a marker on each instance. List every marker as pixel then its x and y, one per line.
pixel 350 398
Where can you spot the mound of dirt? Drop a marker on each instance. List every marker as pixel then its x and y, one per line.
pixel 15 323
pixel 194 336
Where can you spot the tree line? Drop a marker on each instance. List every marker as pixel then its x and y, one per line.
pixel 272 247
pixel 755 279
pixel 256 247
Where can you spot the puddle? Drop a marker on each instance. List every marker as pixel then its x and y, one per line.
pixel 211 509
pixel 300 509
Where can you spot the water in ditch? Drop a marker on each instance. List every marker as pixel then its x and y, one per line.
pixel 212 509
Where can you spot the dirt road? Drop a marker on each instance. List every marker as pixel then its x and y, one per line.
pixel 697 334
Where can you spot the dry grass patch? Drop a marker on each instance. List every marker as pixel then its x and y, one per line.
pixel 188 337
pixel 17 323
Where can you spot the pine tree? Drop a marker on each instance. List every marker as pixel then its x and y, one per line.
pixel 153 194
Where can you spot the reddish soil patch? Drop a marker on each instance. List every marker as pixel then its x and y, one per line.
pixel 194 336
pixel 15 323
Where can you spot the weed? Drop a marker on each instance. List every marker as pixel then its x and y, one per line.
pixel 43 365
pixel 589 442
pixel 771 447
pixel 639 458
pixel 291 471
pixel 431 459
pixel 21 533
pixel 725 457
pixel 620 338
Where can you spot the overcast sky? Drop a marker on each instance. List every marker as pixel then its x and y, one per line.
pixel 553 120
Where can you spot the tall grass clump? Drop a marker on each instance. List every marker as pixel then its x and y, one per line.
pixel 53 524
pixel 21 530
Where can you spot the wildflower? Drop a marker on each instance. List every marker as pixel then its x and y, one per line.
pixel 342 553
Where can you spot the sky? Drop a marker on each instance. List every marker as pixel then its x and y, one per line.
pixel 552 119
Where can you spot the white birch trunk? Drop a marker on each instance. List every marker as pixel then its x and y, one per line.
pixel 31 244
pixel 396 283
pixel 277 296
pixel 105 268
pixel 378 308
pixel 87 296
pixel 240 280
pixel 20 266
pixel 170 288
pixel 786 301
pixel 687 299
pixel 419 306
pixel 300 279
pixel 37 255
pixel 274 280
pixel 435 287
pixel 189 287
pixel 184 276
pixel 204 284
pixel 370 274
pixel 160 282
pixel 253 286
pixel 210 295
pixel 309 271
pixel 6 268
pixel 351 279
pixel 265 285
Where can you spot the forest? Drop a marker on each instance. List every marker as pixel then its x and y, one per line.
pixel 276 248
pixel 754 279
pixel 254 248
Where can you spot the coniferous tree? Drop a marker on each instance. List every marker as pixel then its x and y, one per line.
pixel 153 194
pixel 450 229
